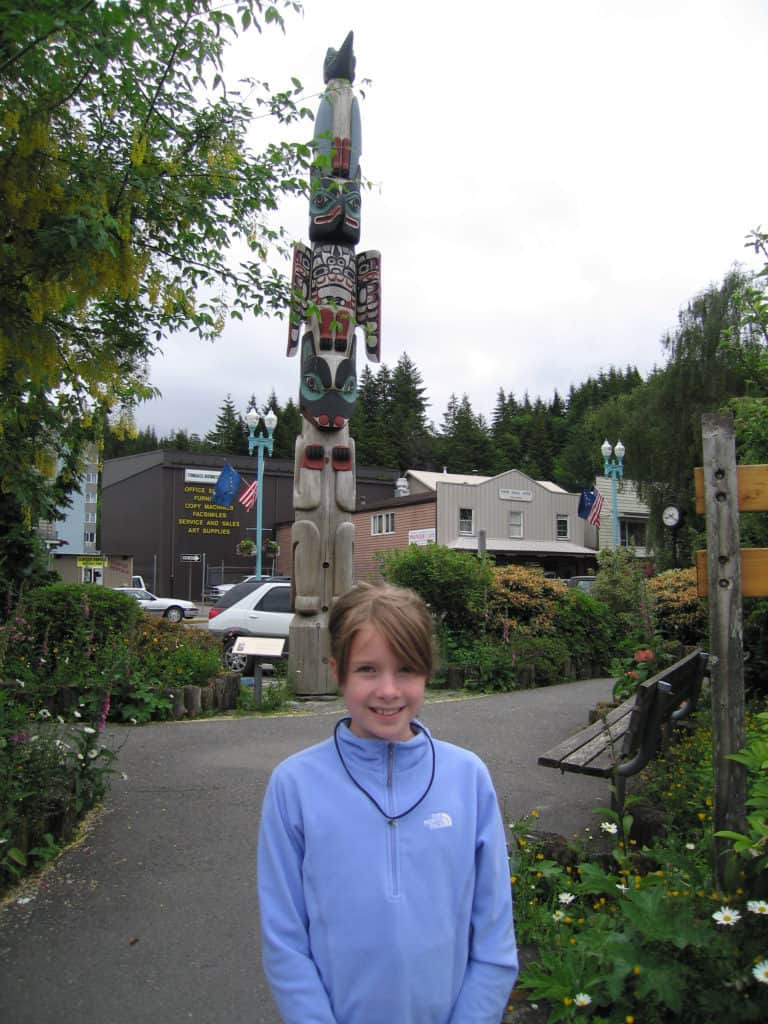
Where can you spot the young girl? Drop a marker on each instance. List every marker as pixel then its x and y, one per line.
pixel 383 877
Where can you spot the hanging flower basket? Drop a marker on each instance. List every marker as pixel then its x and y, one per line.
pixel 246 547
pixel 271 548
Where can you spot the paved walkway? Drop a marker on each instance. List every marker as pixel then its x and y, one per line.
pixel 151 919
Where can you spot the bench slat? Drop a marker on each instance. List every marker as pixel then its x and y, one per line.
pixel 617 719
pixel 598 748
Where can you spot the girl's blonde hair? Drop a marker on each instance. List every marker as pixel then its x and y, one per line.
pixel 399 614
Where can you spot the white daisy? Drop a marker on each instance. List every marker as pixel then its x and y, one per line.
pixel 566 897
pixel 609 826
pixel 726 915
pixel 760 971
pixel 757 907
pixel 582 999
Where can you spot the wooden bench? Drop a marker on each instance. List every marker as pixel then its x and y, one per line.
pixel 629 736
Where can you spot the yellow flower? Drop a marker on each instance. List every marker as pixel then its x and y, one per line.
pixel 513 879
pixel 629 1019
pixel 636 969
pixel 568 1001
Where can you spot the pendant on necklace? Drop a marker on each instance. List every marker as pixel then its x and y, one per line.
pixel 392 822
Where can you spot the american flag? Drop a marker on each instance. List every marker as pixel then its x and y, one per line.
pixel 248 497
pixel 594 513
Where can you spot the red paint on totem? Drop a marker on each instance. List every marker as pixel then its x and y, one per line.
pixel 327 217
pixel 311 463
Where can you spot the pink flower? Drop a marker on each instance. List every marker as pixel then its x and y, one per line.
pixel 646 654
pixel 103 713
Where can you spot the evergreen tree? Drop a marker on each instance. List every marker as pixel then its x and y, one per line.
pixel 287 430
pixel 230 435
pixel 464 444
pixel 409 436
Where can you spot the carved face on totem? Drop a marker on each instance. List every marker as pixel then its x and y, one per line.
pixel 328 390
pixel 334 210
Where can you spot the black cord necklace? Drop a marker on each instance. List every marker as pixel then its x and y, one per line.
pixel 392 819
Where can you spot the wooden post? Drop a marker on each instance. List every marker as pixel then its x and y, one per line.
pixel 725 628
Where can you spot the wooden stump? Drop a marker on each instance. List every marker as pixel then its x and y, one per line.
pixel 226 691
pixel 207 698
pixel 454 677
pixel 192 701
pixel 176 696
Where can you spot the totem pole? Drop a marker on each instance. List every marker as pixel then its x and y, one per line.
pixel 335 290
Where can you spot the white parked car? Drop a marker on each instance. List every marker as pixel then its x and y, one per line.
pixel 251 608
pixel 172 608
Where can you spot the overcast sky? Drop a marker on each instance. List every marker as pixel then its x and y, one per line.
pixel 553 181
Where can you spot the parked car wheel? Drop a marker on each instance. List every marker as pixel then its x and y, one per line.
pixel 173 614
pixel 242 663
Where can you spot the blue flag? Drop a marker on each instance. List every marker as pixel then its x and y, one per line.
pixel 586 501
pixel 227 486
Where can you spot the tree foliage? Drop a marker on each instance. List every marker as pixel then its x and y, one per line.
pixel 125 175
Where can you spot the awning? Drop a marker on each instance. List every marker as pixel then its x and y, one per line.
pixel 523 547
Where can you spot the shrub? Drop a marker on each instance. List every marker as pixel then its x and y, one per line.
pixel 489 664
pixel 68 634
pixel 583 624
pixel 756 644
pixel 51 775
pixel 623 588
pixel 523 600
pixel 681 614
pixel 539 660
pixel 455 584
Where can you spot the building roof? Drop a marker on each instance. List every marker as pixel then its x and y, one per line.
pixel 556 488
pixel 628 504
pixel 431 480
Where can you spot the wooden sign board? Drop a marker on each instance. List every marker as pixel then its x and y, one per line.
pixel 754 572
pixel 752 484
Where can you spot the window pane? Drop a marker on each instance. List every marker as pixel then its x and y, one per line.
pixel 516 524
pixel 466 520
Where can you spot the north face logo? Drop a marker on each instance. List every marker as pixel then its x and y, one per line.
pixel 438 820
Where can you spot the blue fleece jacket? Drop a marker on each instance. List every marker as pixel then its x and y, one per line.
pixel 367 922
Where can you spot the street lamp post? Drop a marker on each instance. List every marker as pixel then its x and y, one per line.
pixel 253 419
pixel 614 468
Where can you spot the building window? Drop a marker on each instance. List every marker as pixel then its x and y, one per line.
pixel 516 525
pixel 90 497
pixel 382 522
pixel 563 528
pixel 91 477
pixel 89 537
pixel 90 517
pixel 466 521
pixel 631 533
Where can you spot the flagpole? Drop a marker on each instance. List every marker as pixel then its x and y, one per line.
pixel 253 419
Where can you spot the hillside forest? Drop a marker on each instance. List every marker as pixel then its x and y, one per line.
pixel 713 360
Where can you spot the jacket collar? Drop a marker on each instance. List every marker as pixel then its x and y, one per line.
pixel 373 751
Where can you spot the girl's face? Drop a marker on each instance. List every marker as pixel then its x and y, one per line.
pixel 383 695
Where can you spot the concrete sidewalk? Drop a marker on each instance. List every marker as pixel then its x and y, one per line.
pixel 152 919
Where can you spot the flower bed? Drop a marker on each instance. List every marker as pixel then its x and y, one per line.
pixel 628 929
